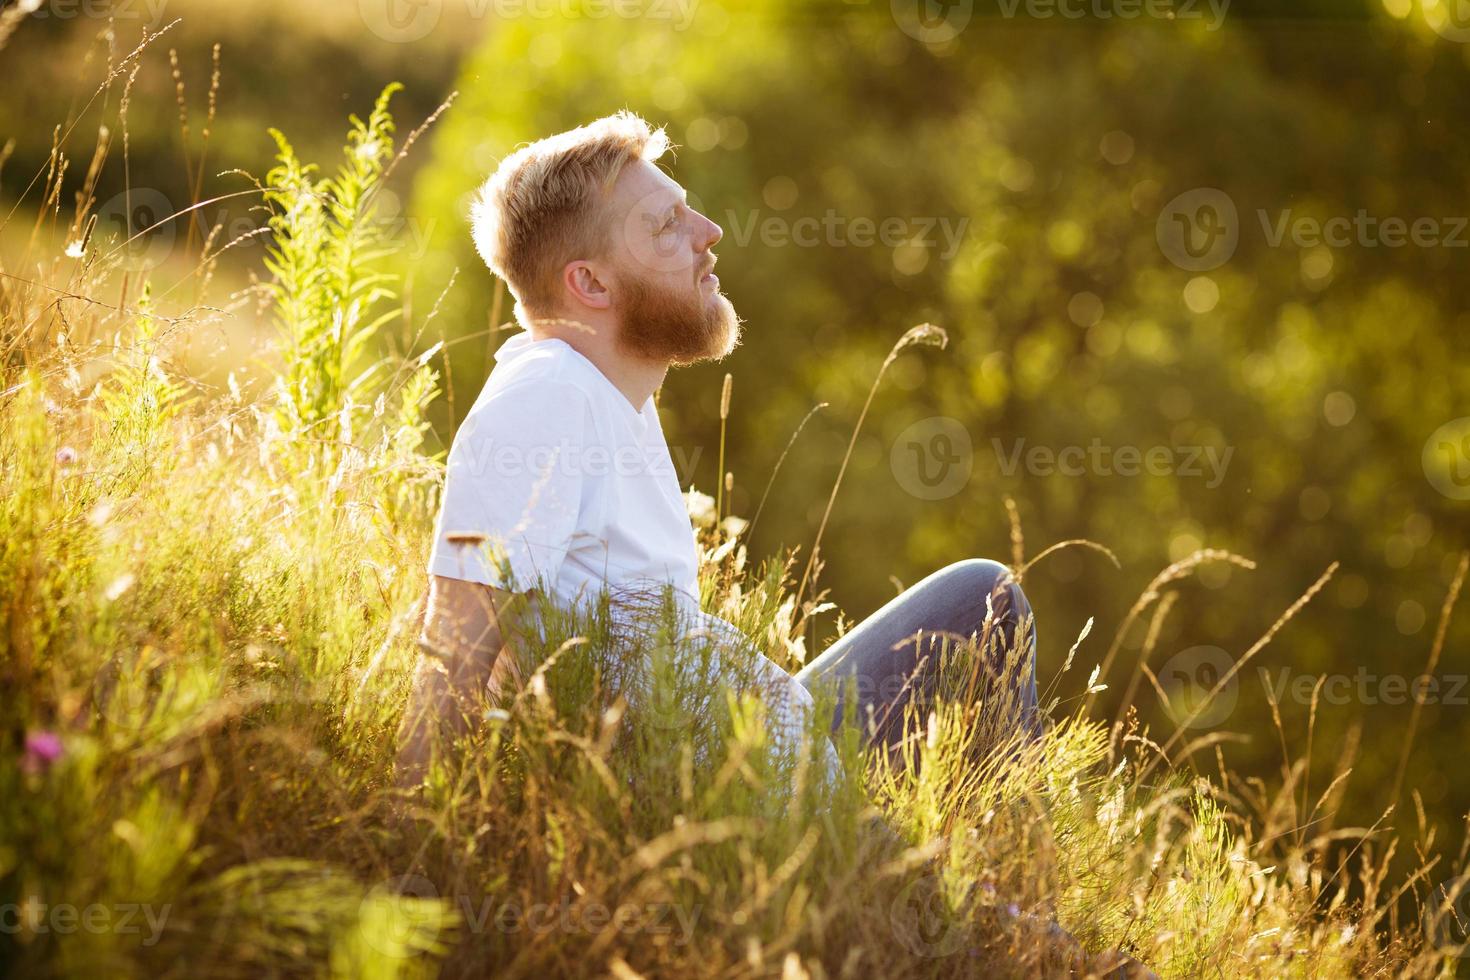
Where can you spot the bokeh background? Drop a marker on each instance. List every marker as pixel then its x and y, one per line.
pixel 1222 246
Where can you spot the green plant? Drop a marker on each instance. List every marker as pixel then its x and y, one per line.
pixel 205 665
pixel 331 294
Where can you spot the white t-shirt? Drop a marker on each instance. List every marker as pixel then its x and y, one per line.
pixel 575 488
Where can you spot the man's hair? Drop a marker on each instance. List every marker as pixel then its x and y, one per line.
pixel 544 205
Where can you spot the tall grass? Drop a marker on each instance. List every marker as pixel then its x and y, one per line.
pixel 210 605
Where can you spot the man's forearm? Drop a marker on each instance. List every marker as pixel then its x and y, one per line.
pixel 463 658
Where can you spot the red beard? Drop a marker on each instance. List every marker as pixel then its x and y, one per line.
pixel 682 329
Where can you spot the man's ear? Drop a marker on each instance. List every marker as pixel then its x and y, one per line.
pixel 583 283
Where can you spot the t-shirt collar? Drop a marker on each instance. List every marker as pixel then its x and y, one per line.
pixel 513 347
pixel 521 342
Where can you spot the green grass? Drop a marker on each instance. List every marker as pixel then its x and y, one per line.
pixel 212 598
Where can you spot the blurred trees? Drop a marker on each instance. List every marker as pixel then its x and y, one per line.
pixel 1020 184
pixel 1313 371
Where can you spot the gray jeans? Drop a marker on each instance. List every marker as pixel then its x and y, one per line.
pixel 891 659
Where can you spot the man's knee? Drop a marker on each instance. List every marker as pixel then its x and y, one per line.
pixel 990 591
pixel 981 576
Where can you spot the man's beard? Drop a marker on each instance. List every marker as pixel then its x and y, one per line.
pixel 659 325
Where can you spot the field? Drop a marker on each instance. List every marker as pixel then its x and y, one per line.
pixel 211 593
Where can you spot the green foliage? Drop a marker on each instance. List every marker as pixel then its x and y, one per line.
pixel 226 665
pixel 342 405
pixel 1058 145
pixel 330 293
pixel 216 627
pixel 140 399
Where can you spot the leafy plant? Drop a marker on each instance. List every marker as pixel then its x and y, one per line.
pixel 330 294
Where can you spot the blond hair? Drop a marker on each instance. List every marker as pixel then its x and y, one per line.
pixel 543 206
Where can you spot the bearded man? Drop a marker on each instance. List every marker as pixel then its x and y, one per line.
pixel 562 467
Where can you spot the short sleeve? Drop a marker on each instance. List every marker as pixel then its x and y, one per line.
pixel 513 486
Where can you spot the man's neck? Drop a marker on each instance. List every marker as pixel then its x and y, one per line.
pixel 636 378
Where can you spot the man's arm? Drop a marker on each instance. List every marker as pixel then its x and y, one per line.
pixel 529 512
pixel 464 659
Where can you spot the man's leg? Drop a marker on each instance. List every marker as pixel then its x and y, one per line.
pixel 893 656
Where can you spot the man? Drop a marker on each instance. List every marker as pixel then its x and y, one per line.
pixel 613 276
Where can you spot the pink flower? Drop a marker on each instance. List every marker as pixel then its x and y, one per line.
pixel 66 456
pixel 42 749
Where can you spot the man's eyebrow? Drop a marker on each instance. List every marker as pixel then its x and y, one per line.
pixel 667 211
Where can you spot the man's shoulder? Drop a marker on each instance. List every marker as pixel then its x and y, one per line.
pixel 540 380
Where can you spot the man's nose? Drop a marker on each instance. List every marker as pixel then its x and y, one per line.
pixel 711 233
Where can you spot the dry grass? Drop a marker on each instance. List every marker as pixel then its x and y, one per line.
pixel 207 634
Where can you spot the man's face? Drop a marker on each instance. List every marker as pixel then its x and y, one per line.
pixel 664 289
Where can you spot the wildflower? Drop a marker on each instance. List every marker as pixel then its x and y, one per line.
pixel 701 507
pixel 66 456
pixel 120 585
pixel 101 513
pixel 42 749
pixel 74 249
pixel 733 526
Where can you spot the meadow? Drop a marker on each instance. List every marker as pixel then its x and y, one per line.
pixel 211 596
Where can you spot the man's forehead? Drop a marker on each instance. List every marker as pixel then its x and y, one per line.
pixel 646 187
